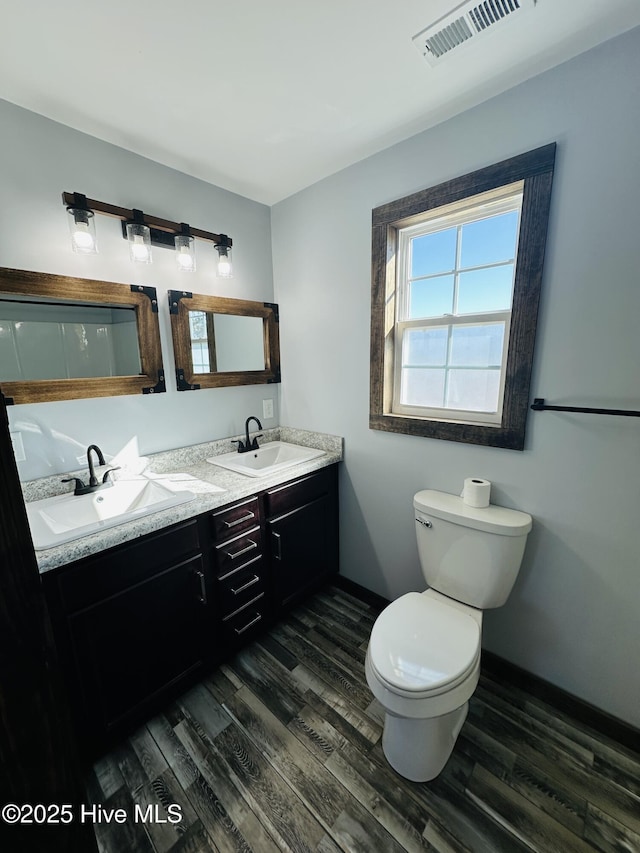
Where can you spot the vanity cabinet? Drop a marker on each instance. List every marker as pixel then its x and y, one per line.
pixel 241 570
pixel 140 622
pixel 131 624
pixel 302 530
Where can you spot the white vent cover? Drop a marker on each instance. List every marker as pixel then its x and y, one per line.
pixel 466 21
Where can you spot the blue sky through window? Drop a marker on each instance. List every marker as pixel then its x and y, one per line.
pixel 434 253
pixel 489 241
pixel 464 248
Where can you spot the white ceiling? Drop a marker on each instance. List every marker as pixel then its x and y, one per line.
pixel 265 97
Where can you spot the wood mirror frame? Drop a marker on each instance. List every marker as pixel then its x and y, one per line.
pixel 181 302
pixel 80 291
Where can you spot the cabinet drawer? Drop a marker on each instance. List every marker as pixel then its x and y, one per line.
pixel 108 573
pixel 240 586
pixel 239 626
pixel 234 519
pixel 299 492
pixel 238 551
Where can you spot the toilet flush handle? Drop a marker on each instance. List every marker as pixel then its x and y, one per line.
pixel 424 522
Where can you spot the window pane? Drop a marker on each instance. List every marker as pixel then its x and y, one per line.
pixel 422 386
pixel 489 241
pixel 425 347
pixel 200 357
pixel 485 290
pixel 477 346
pixel 198 325
pixel 474 390
pixel 433 253
pixel 431 297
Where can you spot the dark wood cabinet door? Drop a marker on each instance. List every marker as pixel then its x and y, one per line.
pixel 303 545
pixel 134 645
pixel 39 753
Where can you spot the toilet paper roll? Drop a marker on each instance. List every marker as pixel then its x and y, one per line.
pixel 476 492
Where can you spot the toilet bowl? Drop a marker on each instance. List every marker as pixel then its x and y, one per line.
pixel 423 657
pixel 423 679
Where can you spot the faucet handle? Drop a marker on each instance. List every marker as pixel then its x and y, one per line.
pixel 78 484
pixel 105 476
pixel 240 443
pixel 254 443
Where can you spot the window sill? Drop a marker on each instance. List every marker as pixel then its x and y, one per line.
pixel 488 435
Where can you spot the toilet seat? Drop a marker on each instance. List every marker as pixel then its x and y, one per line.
pixel 421 647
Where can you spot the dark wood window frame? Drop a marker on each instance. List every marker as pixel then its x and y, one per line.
pixel 535 168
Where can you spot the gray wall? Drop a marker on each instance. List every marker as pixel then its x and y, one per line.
pixel 39 160
pixel 573 615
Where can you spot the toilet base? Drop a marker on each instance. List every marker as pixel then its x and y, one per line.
pixel 419 749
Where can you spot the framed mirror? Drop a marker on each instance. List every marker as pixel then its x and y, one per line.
pixel 64 338
pixel 219 342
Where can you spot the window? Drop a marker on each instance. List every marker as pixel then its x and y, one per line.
pixel 199 342
pixel 455 284
pixel 455 289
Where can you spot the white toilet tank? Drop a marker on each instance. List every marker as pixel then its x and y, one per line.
pixel 471 555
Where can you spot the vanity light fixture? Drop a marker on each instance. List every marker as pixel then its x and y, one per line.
pixel 143 231
pixel 185 249
pixel 139 237
pixel 82 226
pixel 225 268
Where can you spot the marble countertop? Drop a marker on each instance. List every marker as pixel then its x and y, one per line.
pixel 187 468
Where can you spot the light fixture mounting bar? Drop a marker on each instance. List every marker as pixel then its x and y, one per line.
pixel 124 214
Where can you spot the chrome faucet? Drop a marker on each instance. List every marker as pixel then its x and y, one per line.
pixel 93 485
pixel 248 443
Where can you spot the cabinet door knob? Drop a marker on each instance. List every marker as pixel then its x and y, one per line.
pixel 246 585
pixel 278 544
pixel 248 625
pixel 233 555
pixel 203 588
pixel 239 520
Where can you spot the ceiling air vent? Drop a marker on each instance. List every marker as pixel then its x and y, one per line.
pixel 465 22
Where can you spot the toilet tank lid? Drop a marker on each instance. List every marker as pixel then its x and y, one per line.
pixel 492 519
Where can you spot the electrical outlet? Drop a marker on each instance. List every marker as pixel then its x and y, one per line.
pixel 267 409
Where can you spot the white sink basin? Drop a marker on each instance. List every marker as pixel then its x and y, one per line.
pixel 61 519
pixel 272 457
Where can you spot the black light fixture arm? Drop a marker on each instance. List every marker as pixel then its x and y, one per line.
pixel 80 201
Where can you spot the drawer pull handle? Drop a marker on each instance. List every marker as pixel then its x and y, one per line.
pixel 239 520
pixel 203 588
pixel 278 545
pixel 246 585
pixel 258 617
pixel 250 547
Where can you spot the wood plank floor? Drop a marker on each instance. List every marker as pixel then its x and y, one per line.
pixel 280 750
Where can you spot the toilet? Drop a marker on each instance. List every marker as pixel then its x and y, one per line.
pixel 423 657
